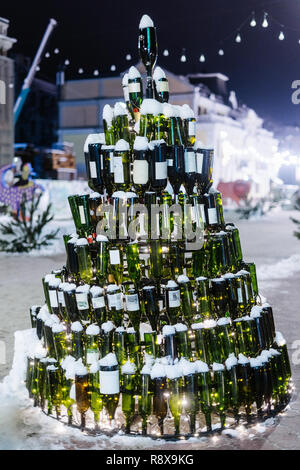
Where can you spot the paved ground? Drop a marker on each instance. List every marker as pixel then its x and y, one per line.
pixel 264 241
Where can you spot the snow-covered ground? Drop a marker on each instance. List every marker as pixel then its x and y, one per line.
pixel 269 242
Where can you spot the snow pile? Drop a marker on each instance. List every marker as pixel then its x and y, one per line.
pixel 280 270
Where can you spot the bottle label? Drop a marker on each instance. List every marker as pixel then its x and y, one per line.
pixel 126 93
pixel 115 301
pixel 109 382
pixel 82 215
pixel 134 87
pixel 239 294
pixel 53 298
pixel 93 170
pixel 199 157
pixel 114 256
pixel 61 298
pixel 132 302
pixel 161 170
pixel 190 162
pixel 82 301
pixel 98 302
pixel 92 356
pixel 174 298
pixel 170 162
pixel 162 85
pixel 212 216
pixel 140 172
pixel 111 162
pixel 118 170
pixel 192 128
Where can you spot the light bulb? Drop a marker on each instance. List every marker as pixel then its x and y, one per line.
pixel 56 51
pixel 47 55
pixel 38 68
pixel 80 71
pixel 166 52
pixel 202 58
pixel 113 68
pixel 265 23
pixel 221 52
pixel 238 38
pixel 96 73
pixel 253 23
pixel 128 57
pixel 281 36
pixel 67 62
pixel 183 58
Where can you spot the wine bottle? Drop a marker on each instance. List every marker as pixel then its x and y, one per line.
pixel 161 85
pixel 115 304
pixel 106 335
pixel 122 180
pixel 98 304
pixel 60 340
pixel 70 301
pixel 68 386
pixel 133 347
pixel 148 50
pixel 108 162
pixel 236 242
pixel 219 299
pixel 49 335
pixel 77 340
pixel 220 392
pixel 85 268
pixel 212 344
pixel 232 295
pixel 151 305
pixel 145 397
pixel 170 343
pixel 55 388
pixel 175 388
pixel 133 262
pixel 257 384
pixel 204 391
pixel 200 342
pixel 108 124
pixel 128 378
pixel 176 168
pixel 102 258
pixel 250 267
pixel 34 310
pixel 176 258
pixel 72 258
pixel 96 402
pixel 244 376
pixel 172 302
pixel 52 291
pixel 231 385
pixel 190 386
pixel 81 391
pixel 203 299
pixel 95 203
pixel 92 340
pixel 152 123
pixel 187 301
pixel 133 307
pixel 126 94
pixel 135 91
pixel 182 341
pixel 204 167
pixel 82 300
pixel 119 342
pixel 214 210
pixel 116 262
pixel 109 384
pixel 96 164
pixel 121 122
pixel 140 171
pixel 189 124
pixel 159 386
pixel 226 338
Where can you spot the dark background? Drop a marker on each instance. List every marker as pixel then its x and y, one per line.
pixel 96 34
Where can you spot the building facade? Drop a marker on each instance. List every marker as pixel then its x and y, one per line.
pixel 243 148
pixel 6 95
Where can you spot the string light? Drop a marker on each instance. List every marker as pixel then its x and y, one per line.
pixel 253 22
pixel 202 58
pixel 128 57
pixel 67 62
pixel 166 53
pixel 56 51
pixel 96 73
pixel 47 55
pixel 238 38
pixel 183 57
pixel 38 68
pixel 221 52
pixel 281 36
pixel 113 68
pixel 80 71
pixel 265 23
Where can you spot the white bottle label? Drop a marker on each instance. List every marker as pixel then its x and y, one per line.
pixel 140 172
pixel 111 162
pixel 81 214
pixel 61 298
pixel 114 256
pixel 199 157
pixel 109 382
pixel 132 302
pixel 170 162
pixel 134 87
pixel 212 216
pixel 82 301
pixel 53 298
pixel 174 298
pixel 115 301
pixel 98 302
pixel 192 128
pixel 93 170
pixel 118 170
pixel 162 85
pixel 91 357
pixel 190 162
pixel 161 170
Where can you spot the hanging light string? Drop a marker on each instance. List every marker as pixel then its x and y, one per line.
pixel 251 20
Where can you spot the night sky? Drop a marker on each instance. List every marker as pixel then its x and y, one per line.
pixel 96 34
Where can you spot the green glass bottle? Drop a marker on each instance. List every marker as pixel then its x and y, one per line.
pixel 92 340
pixel 50 321
pixel 226 337
pixel 68 386
pixel 116 262
pixel 176 257
pixel 151 305
pixel 189 124
pixel 244 376
pixel 145 397
pixel 241 294
pixel 135 90
pixel 219 299
pixel 55 388
pixel 257 384
pixel 70 301
pixel 150 343
pixel 219 395
pixel 182 341
pixel 119 343
pixel 42 379
pixel 107 335
pixel 102 258
pixel 140 168
pixel 190 387
pixel 108 163
pixel 109 384
pixel 133 347
pixel 172 302
pixel 251 268
pixel 204 391
pixel 121 122
pixel 108 124
pixel 122 177
pixel 128 378
pixel 34 379
pixel 213 347
pixel 159 386
pixel 203 296
pixel 34 310
pixel 77 340
pixel 115 304
pixel 187 301
pixel 98 305
pixel 150 111
pixel 175 389
pixel 280 344
pixel 84 260
pixel 96 402
pixel 214 210
pixel 236 242
pixel 52 292
pixel 72 258
pixel 232 294
pixel 200 342
pixel 133 307
pixel 82 392
pixel 161 85
pixel 231 385
pixel 204 167
pixel 60 340
pixel 82 300
pixel 133 262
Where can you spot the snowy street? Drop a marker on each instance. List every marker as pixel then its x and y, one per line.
pixel 268 241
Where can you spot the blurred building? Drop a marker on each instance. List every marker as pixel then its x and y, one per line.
pixel 243 148
pixel 6 95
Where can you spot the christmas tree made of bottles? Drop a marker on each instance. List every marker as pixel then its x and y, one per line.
pixel 155 335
